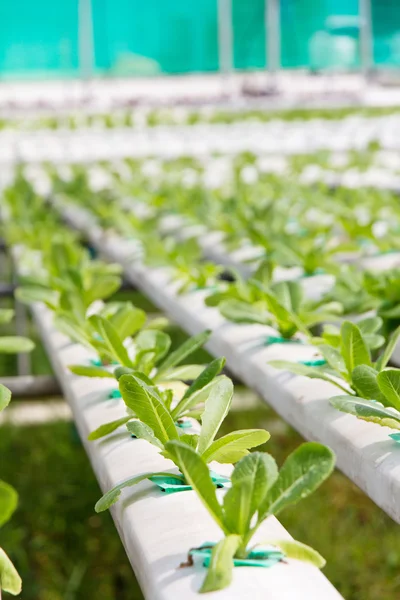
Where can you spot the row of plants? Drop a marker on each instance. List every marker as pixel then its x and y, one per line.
pixel 181 115
pixel 322 226
pixel 176 406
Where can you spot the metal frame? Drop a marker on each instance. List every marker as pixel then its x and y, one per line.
pixel 225 37
pixel 86 41
pixel 273 36
pixel 366 39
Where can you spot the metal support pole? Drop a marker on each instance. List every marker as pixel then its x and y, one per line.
pixel 225 37
pixel 29 386
pixel 86 43
pixel 273 35
pixel 366 50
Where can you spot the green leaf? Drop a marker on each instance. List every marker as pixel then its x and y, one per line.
pixel 251 480
pixel 197 475
pixel 219 574
pixel 289 294
pixel 101 287
pixel 367 410
pixel 299 551
pixel 15 344
pixel 148 406
pixel 353 347
pixel 108 428
pixel 5 397
pixel 306 371
pixel 243 312
pixel 6 315
pixel 387 353
pixel 302 473
pixel 217 407
pixel 10 581
pixel 183 373
pixel 370 325
pixel 143 432
pixel 389 384
pixel 333 358
pixel 33 294
pixel 128 320
pixel 66 325
pixel 112 495
pixel 364 379
pixel 158 323
pixel 232 447
pixel 8 502
pixel 152 341
pixel 110 336
pixel 181 353
pixel 86 371
pixel 374 341
pixel 119 371
pixel 206 376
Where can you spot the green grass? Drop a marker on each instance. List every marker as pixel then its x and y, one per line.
pixel 63 550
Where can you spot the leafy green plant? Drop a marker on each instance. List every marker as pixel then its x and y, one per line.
pixel 313 254
pixel 282 305
pixel 167 374
pixel 371 387
pixel 385 288
pixel 344 350
pixel 155 423
pixel 70 282
pixel 258 491
pixel 350 291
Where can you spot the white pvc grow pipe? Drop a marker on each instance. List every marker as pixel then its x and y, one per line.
pixel 157 530
pixel 364 451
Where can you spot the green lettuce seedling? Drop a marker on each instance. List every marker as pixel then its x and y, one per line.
pixel 147 352
pixel 372 389
pixel 283 305
pixel 258 491
pixel 191 404
pixel 156 425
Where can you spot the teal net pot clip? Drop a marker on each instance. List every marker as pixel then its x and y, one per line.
pixel 274 339
pixel 318 362
pixel 169 485
pixel 96 362
pixel 258 557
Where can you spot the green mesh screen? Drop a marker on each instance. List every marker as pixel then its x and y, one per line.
pixel 386 24
pixel 40 38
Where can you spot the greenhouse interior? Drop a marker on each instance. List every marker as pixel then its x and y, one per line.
pixel 200 300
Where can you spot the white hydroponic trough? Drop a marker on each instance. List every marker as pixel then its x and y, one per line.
pixel 364 451
pixel 157 530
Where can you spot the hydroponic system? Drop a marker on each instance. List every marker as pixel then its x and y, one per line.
pixel 274 244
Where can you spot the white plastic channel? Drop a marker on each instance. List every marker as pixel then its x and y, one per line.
pixel 157 530
pixel 364 451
